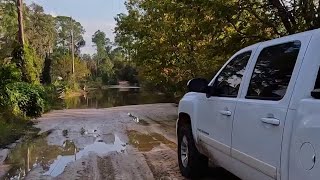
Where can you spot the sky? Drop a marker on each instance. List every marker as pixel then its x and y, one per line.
pixel 92 14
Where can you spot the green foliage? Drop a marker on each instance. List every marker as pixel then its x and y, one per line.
pixel 173 41
pixel 21 95
pixel 125 72
pixel 8 27
pixel 62 67
pixel 64 26
pixel 101 42
pixel 29 64
pixel 25 99
pixel 40 30
pixel 46 73
pixel 19 99
pixel 33 64
pixel 9 73
pixel 102 57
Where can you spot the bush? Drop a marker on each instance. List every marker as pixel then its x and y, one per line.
pixel 25 99
pixel 109 79
pixel 28 63
pixel 9 73
pixel 51 96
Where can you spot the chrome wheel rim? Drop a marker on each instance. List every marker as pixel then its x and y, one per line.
pixel 184 151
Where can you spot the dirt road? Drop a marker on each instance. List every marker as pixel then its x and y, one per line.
pixel 132 142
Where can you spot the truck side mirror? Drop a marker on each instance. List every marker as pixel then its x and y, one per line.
pixel 316 93
pixel 199 85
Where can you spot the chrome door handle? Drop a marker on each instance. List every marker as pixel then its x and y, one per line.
pixel 226 113
pixel 273 121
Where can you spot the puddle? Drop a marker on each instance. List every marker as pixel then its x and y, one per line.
pixel 146 142
pixel 52 158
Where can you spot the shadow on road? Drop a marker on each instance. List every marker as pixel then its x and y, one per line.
pixel 218 174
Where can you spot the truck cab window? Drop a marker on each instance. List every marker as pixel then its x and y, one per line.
pixel 273 71
pixel 317 84
pixel 228 82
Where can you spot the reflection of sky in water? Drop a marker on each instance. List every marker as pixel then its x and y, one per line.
pixel 99 148
pixel 52 159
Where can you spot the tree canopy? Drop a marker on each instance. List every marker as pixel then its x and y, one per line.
pixel 172 41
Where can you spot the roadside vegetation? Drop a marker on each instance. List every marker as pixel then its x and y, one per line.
pixel 41 61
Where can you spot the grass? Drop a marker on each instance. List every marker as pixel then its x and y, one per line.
pixel 11 132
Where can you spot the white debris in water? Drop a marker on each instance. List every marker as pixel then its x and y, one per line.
pixel 99 148
pixel 134 118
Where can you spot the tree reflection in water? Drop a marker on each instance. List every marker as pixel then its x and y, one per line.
pixel 115 97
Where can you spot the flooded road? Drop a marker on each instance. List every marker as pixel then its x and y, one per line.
pixel 130 142
pixel 114 97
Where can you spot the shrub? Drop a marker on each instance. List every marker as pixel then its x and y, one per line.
pixel 28 63
pixel 25 99
pixel 9 73
pixel 52 100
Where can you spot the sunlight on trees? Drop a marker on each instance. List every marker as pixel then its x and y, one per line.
pixel 174 41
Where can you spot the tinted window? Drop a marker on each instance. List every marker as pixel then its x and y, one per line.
pixel 228 82
pixel 316 92
pixel 317 84
pixel 273 71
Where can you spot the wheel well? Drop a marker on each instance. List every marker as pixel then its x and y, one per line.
pixel 184 119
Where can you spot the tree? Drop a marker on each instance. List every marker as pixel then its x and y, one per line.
pixel 171 42
pixel 100 41
pixel 20 22
pixel 91 65
pixel 8 28
pixel 174 41
pixel 64 26
pixel 124 70
pixel 40 30
pixel 296 16
pixel 104 63
pixel 46 73
pixel 24 56
pixel 61 67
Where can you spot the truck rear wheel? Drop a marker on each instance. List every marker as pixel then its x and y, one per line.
pixel 191 162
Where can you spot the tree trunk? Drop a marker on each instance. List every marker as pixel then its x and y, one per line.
pixel 20 22
pixel 72 51
pixel 287 19
pixel 46 73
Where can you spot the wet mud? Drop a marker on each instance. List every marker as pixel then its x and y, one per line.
pixel 131 142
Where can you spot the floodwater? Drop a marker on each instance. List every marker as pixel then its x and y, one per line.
pixel 99 147
pixel 98 143
pixel 115 97
pixel 53 159
pixel 130 142
pixel 146 142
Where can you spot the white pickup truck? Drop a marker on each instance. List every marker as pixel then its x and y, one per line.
pixel 259 117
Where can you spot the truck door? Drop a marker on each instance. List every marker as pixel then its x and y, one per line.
pixel 216 112
pixel 304 149
pixel 262 108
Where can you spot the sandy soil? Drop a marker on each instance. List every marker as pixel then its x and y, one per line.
pixel 111 144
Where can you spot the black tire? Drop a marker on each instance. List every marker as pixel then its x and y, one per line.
pixel 197 163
